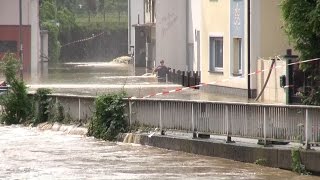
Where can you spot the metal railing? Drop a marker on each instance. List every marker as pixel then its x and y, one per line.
pixel 256 121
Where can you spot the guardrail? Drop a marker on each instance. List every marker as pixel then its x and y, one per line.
pixel 257 121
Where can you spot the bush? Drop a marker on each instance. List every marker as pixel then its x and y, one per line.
pixel 17 106
pixel 42 104
pixel 109 119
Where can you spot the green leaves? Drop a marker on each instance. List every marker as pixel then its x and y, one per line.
pixel 302 25
pixel 109 118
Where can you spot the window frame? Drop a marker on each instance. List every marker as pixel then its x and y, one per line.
pixel 213 57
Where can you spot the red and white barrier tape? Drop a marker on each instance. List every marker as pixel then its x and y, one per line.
pixel 225 80
pixel 82 40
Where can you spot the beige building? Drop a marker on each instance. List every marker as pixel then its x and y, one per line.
pixel 238 35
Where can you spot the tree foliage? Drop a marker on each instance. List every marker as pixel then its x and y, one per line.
pixel 55 18
pixel 302 25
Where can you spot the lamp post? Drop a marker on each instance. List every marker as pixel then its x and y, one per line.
pixel 21 39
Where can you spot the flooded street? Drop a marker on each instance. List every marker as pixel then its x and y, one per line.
pixel 27 153
pixel 96 78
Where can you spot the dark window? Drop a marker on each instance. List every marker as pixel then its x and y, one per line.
pixel 8 46
pixel 216 54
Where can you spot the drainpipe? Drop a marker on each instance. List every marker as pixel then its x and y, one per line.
pixel 129 28
pixel 21 39
pixel 249 46
pixel 187 35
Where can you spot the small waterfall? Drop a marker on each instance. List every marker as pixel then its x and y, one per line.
pixel 128 138
pixel 132 138
pixel 69 129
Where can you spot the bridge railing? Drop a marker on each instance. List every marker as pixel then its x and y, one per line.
pixel 257 121
pixel 248 120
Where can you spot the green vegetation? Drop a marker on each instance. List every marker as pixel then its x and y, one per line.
pixel 55 20
pixel 42 104
pixel 302 25
pixel 15 103
pixel 109 118
pixel 297 166
pixel 261 162
pixel 72 20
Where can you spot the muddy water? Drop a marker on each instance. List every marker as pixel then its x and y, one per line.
pixel 95 78
pixel 27 153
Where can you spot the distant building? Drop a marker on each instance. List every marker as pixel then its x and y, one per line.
pixel 165 29
pixel 231 44
pixel 222 39
pixel 10 32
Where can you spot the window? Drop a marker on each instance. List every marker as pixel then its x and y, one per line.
pixel 8 46
pixel 216 54
pixel 237 57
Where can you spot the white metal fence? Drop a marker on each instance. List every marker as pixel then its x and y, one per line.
pixel 268 122
pixel 257 121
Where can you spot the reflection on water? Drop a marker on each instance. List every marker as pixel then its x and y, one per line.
pixel 31 154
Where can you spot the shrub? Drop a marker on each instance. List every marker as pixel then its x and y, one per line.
pixel 42 104
pixel 17 106
pixel 109 118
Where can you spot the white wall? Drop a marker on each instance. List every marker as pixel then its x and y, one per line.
pixel 9 12
pixel 171 34
pixel 35 38
pixel 135 8
pixel 195 24
pixel 9 15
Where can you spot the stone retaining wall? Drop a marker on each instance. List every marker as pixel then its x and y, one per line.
pixel 275 157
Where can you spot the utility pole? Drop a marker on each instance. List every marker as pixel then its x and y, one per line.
pixel 21 39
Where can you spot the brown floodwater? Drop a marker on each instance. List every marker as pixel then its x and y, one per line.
pixel 96 78
pixel 27 153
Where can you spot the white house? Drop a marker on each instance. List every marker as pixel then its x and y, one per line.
pixel 168 30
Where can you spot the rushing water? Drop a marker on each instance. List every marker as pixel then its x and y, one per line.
pixel 27 153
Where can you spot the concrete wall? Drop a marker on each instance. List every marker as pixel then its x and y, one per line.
pixel 270 41
pixel 135 10
pixel 275 157
pixel 171 33
pixel 273 93
pixel 194 34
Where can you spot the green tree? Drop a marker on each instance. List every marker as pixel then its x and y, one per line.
pixel 55 19
pixel 302 25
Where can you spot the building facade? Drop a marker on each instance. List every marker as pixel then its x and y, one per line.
pixel 238 37
pixel 30 32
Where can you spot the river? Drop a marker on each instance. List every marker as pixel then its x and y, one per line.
pixel 28 153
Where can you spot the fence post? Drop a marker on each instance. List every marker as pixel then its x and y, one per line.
pixel 183 79
pixel 265 127
pixel 188 78
pixel 228 121
pixel 79 110
pixel 194 134
pixel 130 113
pixel 308 130
pixel 160 120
